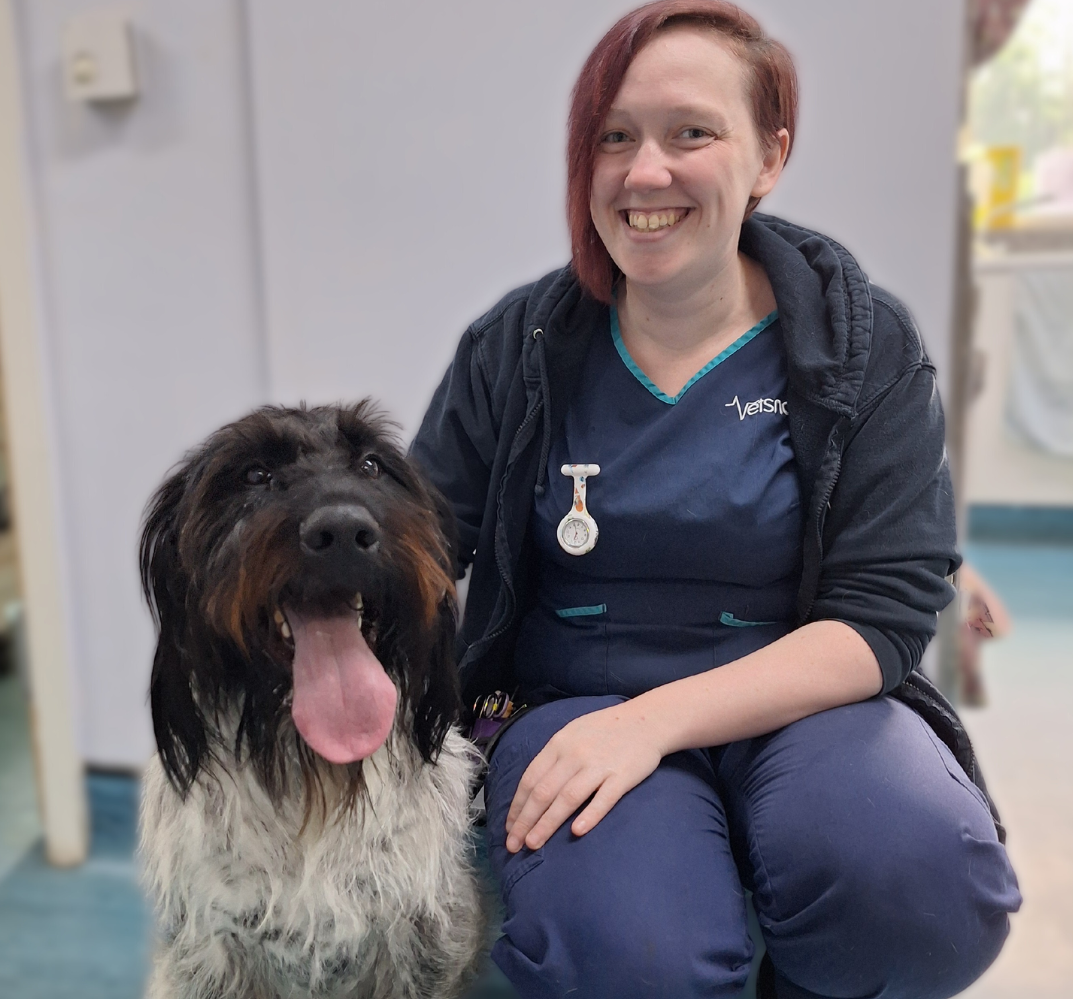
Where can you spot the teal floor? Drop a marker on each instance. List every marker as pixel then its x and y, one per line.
pixel 85 932
pixel 78 933
pixel 19 825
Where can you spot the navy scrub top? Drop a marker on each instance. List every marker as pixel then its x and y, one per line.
pixel 698 507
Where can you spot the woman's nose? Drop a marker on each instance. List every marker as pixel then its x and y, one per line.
pixel 649 170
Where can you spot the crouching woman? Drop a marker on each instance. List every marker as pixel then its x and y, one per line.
pixel 701 478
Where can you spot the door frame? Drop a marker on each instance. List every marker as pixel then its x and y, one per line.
pixel 31 454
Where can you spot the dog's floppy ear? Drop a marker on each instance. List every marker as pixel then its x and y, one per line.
pixel 177 722
pixel 440 705
pixel 449 529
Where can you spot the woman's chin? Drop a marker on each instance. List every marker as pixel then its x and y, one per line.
pixel 655 274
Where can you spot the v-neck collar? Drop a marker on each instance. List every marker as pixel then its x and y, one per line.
pixel 631 364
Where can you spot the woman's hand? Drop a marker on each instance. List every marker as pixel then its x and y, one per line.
pixel 603 755
pixel 819 666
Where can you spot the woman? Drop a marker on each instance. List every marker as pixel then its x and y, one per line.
pixel 707 619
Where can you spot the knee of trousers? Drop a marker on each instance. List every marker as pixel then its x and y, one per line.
pixel 896 924
pixel 557 941
pixel 899 888
pixel 588 916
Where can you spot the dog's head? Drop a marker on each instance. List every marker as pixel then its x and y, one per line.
pixel 298 571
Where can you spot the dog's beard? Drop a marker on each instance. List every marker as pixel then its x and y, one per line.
pixel 344 702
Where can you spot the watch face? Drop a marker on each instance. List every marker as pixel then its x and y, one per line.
pixel 575 532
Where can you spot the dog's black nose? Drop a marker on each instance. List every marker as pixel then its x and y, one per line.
pixel 339 532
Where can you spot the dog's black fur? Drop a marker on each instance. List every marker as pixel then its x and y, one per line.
pixel 221 551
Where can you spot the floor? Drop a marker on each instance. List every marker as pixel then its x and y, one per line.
pixel 86 932
pixel 78 933
pixel 19 825
pixel 1024 740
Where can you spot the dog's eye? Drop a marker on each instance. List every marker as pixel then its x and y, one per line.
pixel 371 467
pixel 257 476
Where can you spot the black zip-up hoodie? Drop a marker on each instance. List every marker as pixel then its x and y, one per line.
pixel 866 426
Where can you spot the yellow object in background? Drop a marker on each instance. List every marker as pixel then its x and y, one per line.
pixel 995 210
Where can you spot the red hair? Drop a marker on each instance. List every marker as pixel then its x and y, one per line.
pixel 773 89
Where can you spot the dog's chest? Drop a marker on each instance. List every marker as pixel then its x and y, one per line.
pixel 332 902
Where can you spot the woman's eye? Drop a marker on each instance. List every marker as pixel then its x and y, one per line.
pixel 371 467
pixel 257 476
pixel 613 138
pixel 695 133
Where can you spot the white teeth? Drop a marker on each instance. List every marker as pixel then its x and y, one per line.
pixel 281 621
pixel 285 630
pixel 359 606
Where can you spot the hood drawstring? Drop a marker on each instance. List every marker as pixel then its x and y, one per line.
pixel 545 446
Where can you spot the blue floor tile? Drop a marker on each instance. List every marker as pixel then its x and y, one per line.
pixel 1034 581
pixel 80 933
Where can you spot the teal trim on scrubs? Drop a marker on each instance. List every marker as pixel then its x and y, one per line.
pixel 647 382
pixel 582 611
pixel 732 622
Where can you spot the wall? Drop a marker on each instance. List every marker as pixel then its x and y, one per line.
pixel 433 181
pixel 146 229
pixel 1002 469
pixel 313 201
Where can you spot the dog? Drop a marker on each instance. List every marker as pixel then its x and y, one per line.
pixel 303 827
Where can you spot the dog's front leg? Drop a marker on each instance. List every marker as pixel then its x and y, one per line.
pixel 214 967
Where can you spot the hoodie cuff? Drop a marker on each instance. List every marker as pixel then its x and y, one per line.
pixel 895 659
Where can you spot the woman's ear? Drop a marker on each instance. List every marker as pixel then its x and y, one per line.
pixel 774 159
pixel 178 724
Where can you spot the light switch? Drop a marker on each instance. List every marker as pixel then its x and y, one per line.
pixel 98 57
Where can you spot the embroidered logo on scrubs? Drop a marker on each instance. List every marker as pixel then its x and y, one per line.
pixel 758 406
pixel 577 531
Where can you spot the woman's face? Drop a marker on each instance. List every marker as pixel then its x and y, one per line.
pixel 678 160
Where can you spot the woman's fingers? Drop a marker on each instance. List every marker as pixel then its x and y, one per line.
pixel 533 798
pixel 605 798
pixel 569 799
pixel 540 766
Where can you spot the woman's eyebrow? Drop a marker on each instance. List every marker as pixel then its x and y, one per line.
pixel 696 112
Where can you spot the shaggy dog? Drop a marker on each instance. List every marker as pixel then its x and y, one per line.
pixel 303 826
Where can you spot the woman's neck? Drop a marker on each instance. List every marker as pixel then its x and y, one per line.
pixel 671 334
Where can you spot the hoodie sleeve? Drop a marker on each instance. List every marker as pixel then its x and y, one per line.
pixel 889 534
pixel 457 442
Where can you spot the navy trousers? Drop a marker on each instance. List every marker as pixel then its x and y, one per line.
pixel 872 858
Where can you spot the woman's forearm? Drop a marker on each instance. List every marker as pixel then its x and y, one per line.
pixel 600 756
pixel 819 666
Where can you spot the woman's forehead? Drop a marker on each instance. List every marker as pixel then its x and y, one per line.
pixel 684 68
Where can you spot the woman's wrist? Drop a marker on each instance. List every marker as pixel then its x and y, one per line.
pixel 817 667
pixel 657 716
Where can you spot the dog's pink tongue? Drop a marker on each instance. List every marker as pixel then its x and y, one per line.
pixel 344 702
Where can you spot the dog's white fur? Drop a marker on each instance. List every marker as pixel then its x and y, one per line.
pixel 378 901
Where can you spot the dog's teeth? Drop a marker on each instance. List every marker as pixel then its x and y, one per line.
pixel 358 605
pixel 285 630
pixel 361 619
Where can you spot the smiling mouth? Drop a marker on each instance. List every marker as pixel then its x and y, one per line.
pixel 663 218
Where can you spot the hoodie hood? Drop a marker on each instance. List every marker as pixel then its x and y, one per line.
pixel 825 309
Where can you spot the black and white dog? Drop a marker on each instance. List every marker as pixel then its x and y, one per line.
pixel 304 823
